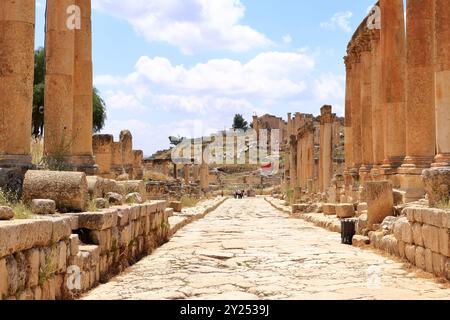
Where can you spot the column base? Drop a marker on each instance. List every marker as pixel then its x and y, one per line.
pixel 15 161
pixel 84 164
pixel 364 173
pixel 441 161
pixel 411 182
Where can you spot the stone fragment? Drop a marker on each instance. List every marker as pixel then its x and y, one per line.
pixel 6 213
pixel 361 224
pixel 69 190
pixel 329 209
pixel 176 206
pixel 105 219
pixel 114 198
pixel 437 185
pixel 360 241
pixel 380 201
pixel 134 197
pixel 101 203
pixel 43 206
pixel 345 210
pixel 74 244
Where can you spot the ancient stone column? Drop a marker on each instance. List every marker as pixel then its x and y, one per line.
pixel 138 158
pixel 420 97
pixel 187 169
pixel 59 79
pixel 356 111
pixel 126 145
pixel 310 158
pixel 326 148
pixel 204 176
pixel 366 108
pixel 442 93
pixel 103 151
pixel 348 121
pixel 377 105
pixel 82 122
pixel 17 23
pixel 393 51
pixel 195 173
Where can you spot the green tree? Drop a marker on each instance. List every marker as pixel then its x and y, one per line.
pixel 99 105
pixel 240 123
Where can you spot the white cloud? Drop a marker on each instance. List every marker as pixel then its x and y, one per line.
pixel 120 100
pixel 339 20
pixel 287 39
pixel 191 25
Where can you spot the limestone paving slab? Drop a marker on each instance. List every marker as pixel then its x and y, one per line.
pixel 253 251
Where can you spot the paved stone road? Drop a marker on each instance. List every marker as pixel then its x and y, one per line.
pixel 248 250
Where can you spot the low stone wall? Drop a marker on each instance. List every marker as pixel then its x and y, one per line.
pixel 60 257
pixel 420 236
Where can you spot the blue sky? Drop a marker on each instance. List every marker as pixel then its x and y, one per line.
pixel 185 67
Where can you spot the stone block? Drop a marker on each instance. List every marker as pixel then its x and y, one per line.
pixel 49 289
pixel 101 238
pixel 399 225
pixel 26 295
pixel 439 264
pixel 3 279
pixel 417 234
pixel 115 238
pixel 437 185
pixel 151 207
pixel 134 198
pixel 446 219
pixel 432 217
pixel 37 293
pixel 104 219
pixel 176 206
pixel 43 206
pixel 410 253
pixel 361 224
pixel 168 213
pixel 389 244
pixel 74 241
pixel 101 203
pixel 114 199
pixel 123 214
pixel 93 252
pixel 345 210
pixel 380 201
pixel 6 213
pixel 409 213
pixel 375 238
pixel 401 249
pixel 135 212
pixel 125 236
pixel 33 259
pixel 17 272
pixel 19 235
pixel 444 244
pixel 329 209
pixel 431 237
pixel 417 214
pixel 61 250
pixel 61 228
pixel 420 258
pixel 429 260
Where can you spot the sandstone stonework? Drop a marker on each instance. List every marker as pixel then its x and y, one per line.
pixel 43 206
pixel 380 200
pixel 6 213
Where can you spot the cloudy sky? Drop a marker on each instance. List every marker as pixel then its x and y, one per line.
pixel 185 67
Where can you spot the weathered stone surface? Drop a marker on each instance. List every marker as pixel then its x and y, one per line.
pixel 98 220
pixel 444 242
pixel 345 210
pixel 439 264
pixel 168 213
pixel 399 226
pixel 6 213
pixel 68 189
pixel 114 198
pixel 19 235
pixel 134 197
pixel 431 216
pixel 101 203
pixel 123 214
pixel 417 234
pixel 431 237
pixel 61 228
pixel 388 224
pixel 96 186
pixel 420 258
pixel 409 213
pixel 380 201
pixel 401 249
pixel 3 279
pixel 43 206
pixel 176 206
pixel 32 257
pixel 428 260
pixel 329 209
pixel 410 253
pixel 74 241
pixel 132 186
pixel 437 185
pixel 361 224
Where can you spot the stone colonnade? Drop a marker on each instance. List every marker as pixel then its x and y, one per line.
pixel 398 96
pixel 303 173
pixel 68 82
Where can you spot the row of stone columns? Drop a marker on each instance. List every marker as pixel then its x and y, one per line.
pixel 398 95
pixel 68 82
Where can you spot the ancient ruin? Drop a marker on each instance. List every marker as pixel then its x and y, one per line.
pixel 95 206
